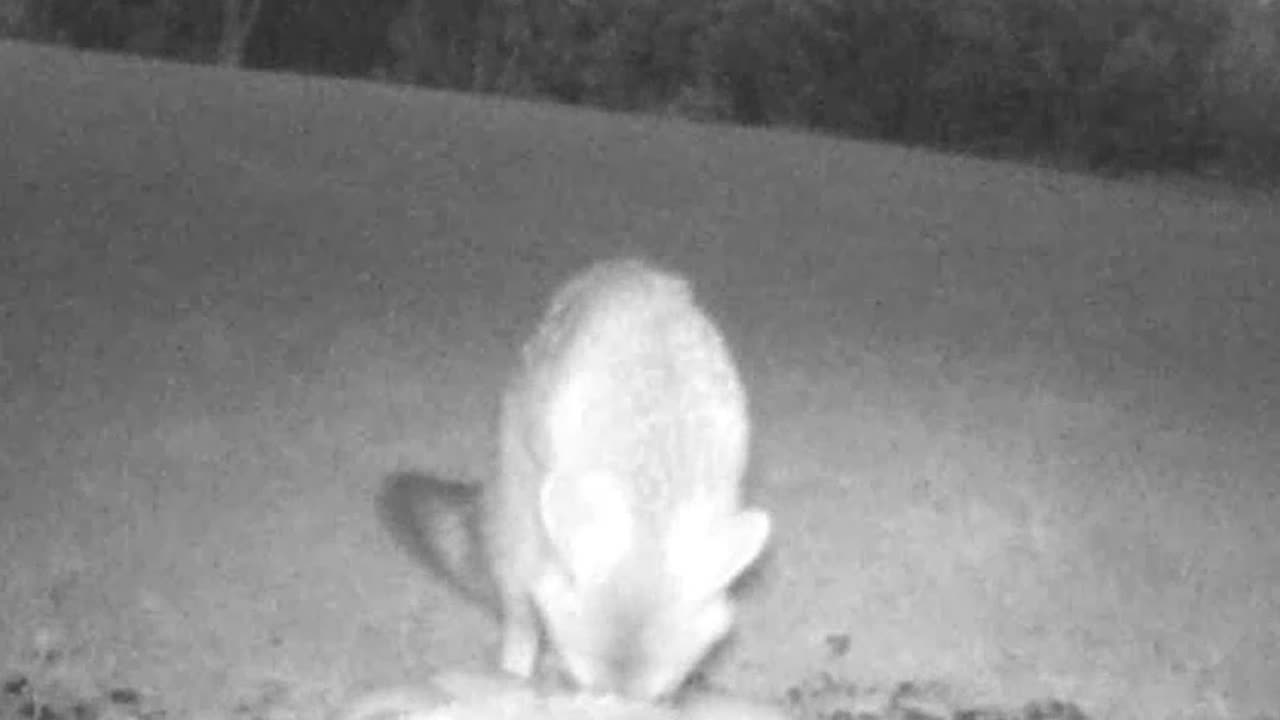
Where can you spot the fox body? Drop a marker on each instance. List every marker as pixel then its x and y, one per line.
pixel 614 526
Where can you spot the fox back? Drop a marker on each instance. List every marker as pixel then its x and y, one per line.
pixel 615 526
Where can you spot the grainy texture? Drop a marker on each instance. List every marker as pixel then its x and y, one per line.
pixel 1018 428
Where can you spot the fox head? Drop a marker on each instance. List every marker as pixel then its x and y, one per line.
pixel 631 611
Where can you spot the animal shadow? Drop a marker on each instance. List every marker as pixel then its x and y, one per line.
pixel 438 521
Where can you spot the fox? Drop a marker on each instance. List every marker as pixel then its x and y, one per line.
pixel 615 525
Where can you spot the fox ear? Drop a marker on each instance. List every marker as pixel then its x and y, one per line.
pixel 587 522
pixel 711 560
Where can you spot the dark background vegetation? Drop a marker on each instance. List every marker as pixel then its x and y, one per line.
pixel 1188 86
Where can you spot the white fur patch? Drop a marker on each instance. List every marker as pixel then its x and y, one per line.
pixel 589 522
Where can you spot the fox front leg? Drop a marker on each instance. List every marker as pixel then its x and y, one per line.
pixel 521 636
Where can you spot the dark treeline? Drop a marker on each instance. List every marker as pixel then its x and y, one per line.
pixel 1123 85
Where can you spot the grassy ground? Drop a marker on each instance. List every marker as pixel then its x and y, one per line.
pixel 1018 428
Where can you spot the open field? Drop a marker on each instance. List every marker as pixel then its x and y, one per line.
pixel 1018 428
